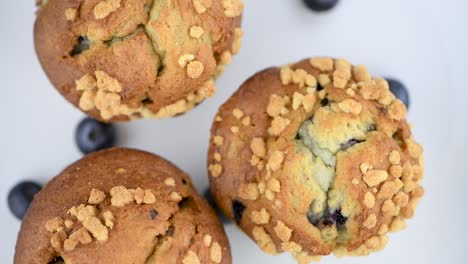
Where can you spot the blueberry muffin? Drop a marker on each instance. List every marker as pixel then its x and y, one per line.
pixel 315 158
pixel 121 206
pixel 119 60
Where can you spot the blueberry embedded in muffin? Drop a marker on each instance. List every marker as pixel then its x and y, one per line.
pixel 121 206
pixel 125 59
pixel 315 158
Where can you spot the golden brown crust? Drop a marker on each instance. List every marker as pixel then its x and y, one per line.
pixel 137 43
pixel 345 146
pixel 167 222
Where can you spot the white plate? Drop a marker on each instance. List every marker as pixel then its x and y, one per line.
pixel 424 43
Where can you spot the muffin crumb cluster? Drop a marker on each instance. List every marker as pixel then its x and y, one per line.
pixel 96 222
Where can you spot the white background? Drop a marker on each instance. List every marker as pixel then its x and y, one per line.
pixel 422 42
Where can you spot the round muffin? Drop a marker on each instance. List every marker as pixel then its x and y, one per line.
pixel 125 59
pixel 315 158
pixel 121 206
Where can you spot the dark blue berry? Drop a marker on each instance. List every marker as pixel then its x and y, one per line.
pixel 350 143
pixel 57 260
pixel 153 214
pixel 338 218
pixel 211 201
pixel 314 218
pixel 237 210
pixel 82 44
pixel 399 90
pixel 92 135
pixel 320 5
pixel 21 196
pixel 319 87
pixel 324 102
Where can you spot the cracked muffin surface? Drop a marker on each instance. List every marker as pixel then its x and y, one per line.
pixel 119 60
pixel 315 158
pixel 121 206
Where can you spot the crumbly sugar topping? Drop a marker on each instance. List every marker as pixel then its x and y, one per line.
pixel 86 222
pixel 191 258
pixel 283 232
pixel 70 14
pixel 233 8
pixel 105 8
pixel 196 32
pixel 216 253
pixel 202 5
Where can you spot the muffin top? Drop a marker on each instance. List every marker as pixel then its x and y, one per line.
pixel 314 158
pixel 121 206
pixel 124 59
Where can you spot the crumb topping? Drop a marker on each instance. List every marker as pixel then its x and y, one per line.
pixel 191 257
pixel 186 58
pixel 207 240
pixel 54 225
pixel 170 182
pixel 370 222
pixel 195 69
pixel 350 106
pixel 278 125
pixel 176 197
pixel 238 114
pixel 237 42
pixel 70 14
pixel 375 177
pixel 215 253
pixel 196 32
pixel 246 121
pixel 96 196
pixel 292 247
pixel 369 200
pixel 264 240
pixel 69 224
pixel 105 8
pixel 202 5
pixel 276 160
pixel 361 74
pixel 260 217
pixel 108 219
pixel 283 232
pixel 248 191
pixel 215 169
pixel 92 223
pixel 96 228
pixel 323 64
pixel 121 196
pixel 218 140
pixel 233 8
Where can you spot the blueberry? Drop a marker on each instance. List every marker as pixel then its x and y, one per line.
pixel 57 260
pixel 319 87
pixel 21 196
pixel 320 5
pixel 153 214
pixel 237 210
pixel 211 201
pixel 350 143
pixel 92 135
pixel 338 218
pixel 82 44
pixel 314 218
pixel 324 102
pixel 399 90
